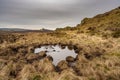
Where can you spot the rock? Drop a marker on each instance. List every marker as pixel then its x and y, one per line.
pixel 62 65
pixel 70 59
pixel 54 50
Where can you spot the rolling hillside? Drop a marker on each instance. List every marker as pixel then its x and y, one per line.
pixel 107 24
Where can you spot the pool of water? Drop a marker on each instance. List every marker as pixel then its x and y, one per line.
pixel 57 52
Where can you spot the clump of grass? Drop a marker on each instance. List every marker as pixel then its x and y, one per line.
pixel 92 78
pixel 116 34
pixel 58 34
pixel 37 77
pixel 114 54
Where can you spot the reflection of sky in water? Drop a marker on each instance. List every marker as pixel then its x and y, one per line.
pixel 59 54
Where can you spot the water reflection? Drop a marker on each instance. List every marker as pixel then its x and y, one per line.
pixel 57 52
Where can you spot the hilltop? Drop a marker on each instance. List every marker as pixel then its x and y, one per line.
pixel 107 24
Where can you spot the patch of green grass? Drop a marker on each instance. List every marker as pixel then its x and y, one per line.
pixel 58 34
pixel 106 69
pixel 37 77
pixel 98 65
pixel 115 54
pixel 92 78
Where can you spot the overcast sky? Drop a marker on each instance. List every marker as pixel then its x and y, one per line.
pixel 50 14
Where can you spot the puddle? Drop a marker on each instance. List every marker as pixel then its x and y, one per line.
pixel 57 52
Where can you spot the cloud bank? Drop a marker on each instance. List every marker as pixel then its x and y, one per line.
pixel 36 14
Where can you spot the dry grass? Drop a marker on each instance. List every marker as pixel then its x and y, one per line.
pixel 98 57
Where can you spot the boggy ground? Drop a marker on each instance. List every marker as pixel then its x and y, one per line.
pixel 96 40
pixel 98 58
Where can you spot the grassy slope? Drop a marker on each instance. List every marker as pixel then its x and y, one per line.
pixel 107 24
pixel 103 23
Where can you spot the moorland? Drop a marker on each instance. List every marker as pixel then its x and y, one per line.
pixel 96 41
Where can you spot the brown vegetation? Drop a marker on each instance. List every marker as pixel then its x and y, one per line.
pixel 98 57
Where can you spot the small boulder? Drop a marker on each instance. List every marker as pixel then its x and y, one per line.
pixel 54 50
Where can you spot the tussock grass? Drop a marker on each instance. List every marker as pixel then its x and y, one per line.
pixel 98 52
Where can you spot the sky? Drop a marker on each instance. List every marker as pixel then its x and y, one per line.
pixel 50 14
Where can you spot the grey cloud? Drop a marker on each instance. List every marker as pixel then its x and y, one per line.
pixel 51 13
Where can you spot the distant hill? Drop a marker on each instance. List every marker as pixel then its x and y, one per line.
pixel 23 30
pixel 45 30
pixel 13 29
